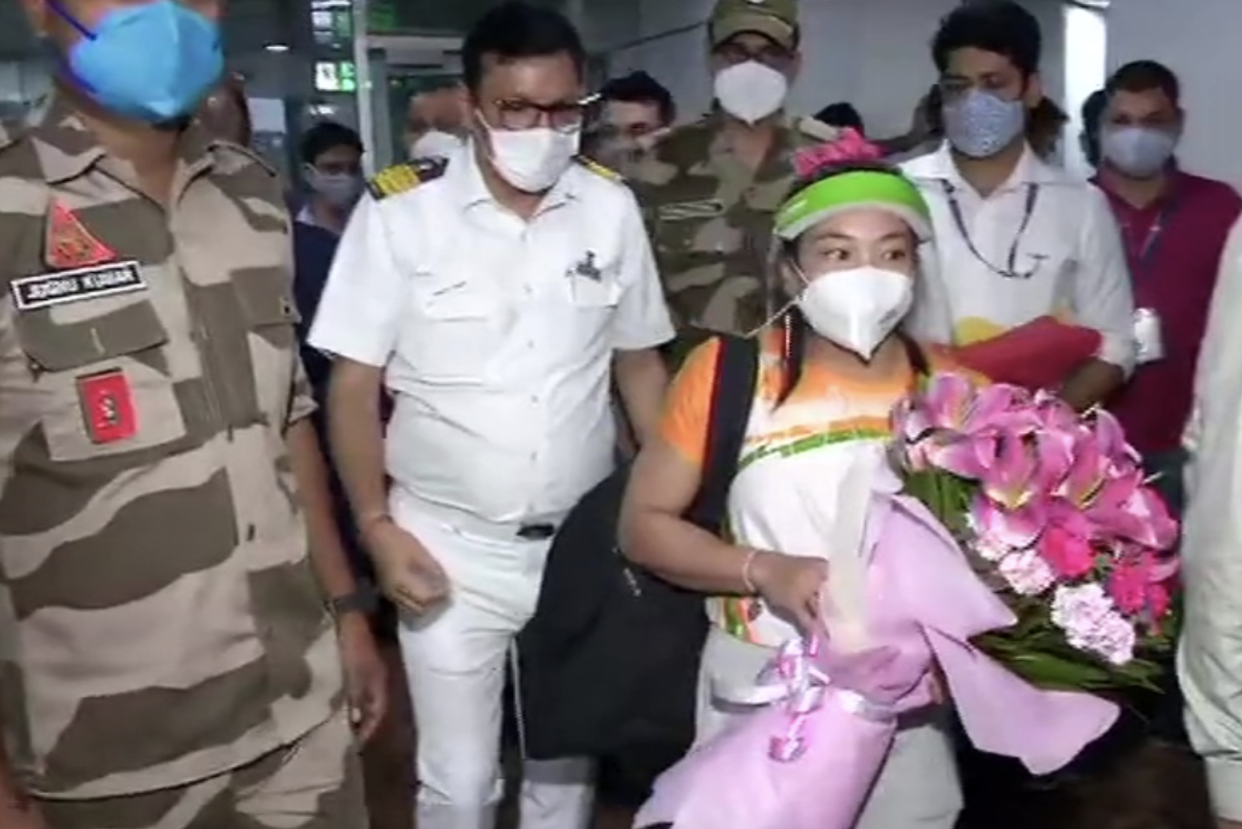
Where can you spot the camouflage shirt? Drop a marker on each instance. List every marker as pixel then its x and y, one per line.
pixel 710 219
pixel 160 622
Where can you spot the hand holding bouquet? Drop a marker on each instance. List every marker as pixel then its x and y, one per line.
pixel 1053 509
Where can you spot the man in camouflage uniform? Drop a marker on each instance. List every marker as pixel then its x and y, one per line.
pixel 167 656
pixel 709 190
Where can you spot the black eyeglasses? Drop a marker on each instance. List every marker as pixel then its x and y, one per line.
pixel 526 115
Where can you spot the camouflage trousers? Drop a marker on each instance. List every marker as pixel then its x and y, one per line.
pixel 314 784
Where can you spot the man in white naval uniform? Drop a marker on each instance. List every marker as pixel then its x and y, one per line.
pixel 498 295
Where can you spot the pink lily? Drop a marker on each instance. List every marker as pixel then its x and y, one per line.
pixel 954 403
pixel 960 455
pixel 1014 504
pixel 1020 469
pixel 910 421
pixel 1002 528
pixel 1111 438
pixel 1128 510
pixel 1088 470
pixel 1054 413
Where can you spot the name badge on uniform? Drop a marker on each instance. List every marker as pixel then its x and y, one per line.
pixel 107 407
pixel 1148 335
pixel 60 287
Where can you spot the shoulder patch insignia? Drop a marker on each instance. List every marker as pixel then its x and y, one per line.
pixel 401 178
pixel 249 154
pixel 599 169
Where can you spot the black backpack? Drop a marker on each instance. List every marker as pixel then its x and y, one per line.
pixel 608 666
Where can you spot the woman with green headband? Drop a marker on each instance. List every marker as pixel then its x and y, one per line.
pixel 832 364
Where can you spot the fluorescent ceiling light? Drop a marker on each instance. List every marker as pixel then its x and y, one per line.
pixel 276 47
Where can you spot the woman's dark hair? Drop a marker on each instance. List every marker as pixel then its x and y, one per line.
pixel 1092 120
pixel 841 114
pixel 1044 125
pixel 793 356
pixel 999 26
pixel 515 30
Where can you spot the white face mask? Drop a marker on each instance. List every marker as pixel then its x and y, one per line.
pixel 532 160
pixel 435 144
pixel 858 308
pixel 337 189
pixel 751 91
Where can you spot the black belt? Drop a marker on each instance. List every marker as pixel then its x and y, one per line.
pixel 536 532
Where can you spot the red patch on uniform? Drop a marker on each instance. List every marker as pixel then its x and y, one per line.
pixel 70 244
pixel 107 406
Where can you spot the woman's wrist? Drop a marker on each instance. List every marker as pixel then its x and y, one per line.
pixel 754 570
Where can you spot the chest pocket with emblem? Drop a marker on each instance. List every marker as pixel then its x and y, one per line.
pixel 271 318
pixel 589 290
pixel 99 378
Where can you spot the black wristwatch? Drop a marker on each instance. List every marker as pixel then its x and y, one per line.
pixel 364 600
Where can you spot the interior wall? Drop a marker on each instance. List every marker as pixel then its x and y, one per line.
pixel 875 55
pixel 1197 39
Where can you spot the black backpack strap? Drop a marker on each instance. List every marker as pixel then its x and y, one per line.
pixel 917 357
pixel 733 392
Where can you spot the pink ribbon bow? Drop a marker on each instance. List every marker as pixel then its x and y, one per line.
pixel 849 147
pixel 795 679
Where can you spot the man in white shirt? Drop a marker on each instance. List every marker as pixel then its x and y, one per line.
pixel 498 295
pixel 1210 651
pixel 1016 239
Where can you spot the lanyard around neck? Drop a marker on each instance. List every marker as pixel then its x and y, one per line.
pixel 1142 257
pixel 1010 271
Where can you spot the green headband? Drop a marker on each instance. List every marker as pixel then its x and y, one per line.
pixel 857 188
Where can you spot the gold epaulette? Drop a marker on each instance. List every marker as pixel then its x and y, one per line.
pixel 599 169
pixel 401 178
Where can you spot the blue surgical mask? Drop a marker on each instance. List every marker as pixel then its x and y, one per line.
pixel 151 62
pixel 1139 152
pixel 980 125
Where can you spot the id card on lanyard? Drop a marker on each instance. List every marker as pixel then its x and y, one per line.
pixel 1148 328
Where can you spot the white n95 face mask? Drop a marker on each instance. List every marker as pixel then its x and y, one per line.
pixel 533 160
pixel 435 144
pixel 750 91
pixel 858 308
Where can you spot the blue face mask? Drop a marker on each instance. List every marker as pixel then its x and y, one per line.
pixel 980 124
pixel 152 62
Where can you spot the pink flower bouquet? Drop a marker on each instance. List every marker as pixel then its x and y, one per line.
pixel 824 715
pixel 1015 548
pixel 1054 511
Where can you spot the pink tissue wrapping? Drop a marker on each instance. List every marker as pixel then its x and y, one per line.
pixel 923 602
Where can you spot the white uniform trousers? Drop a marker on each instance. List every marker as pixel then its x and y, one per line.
pixel 455 659
pixel 918 787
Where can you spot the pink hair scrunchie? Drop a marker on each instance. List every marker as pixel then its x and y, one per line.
pixel 849 147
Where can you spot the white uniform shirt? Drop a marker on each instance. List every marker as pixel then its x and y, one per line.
pixel 1210 658
pixel 1071 248
pixel 496 333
